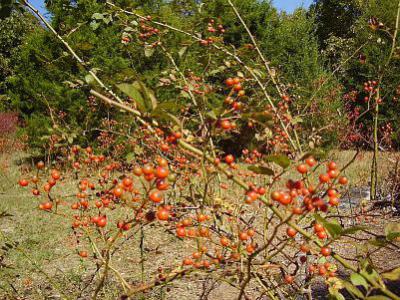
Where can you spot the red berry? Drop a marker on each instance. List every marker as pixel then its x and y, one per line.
pixel 318 227
pixel 161 172
pixel 289 279
pixel 83 254
pixel 237 87
pixel 251 232
pixel 181 232
pixel 225 124
pixel 302 169
pixel 324 178
pixel 311 161
pixel 118 192
pixel 261 191
pixel 137 171
pixel 291 232
pixel 333 173
pixel 305 248
pixel 332 193
pixel 229 82
pixel 156 196
pixel 243 236
pixel 322 235
pixel 343 180
pixel 102 222
pixel 225 242
pixel 276 196
pixel 23 182
pixel 55 174
pixel 229 159
pixel 285 199
pixel 162 185
pixel 332 166
pixel 127 182
pixel 147 170
pixel 163 214
pixel 333 201
pixel 326 251
pixel 47 205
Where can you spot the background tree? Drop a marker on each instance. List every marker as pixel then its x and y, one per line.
pixel 306 46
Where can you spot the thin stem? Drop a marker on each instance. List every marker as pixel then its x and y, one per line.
pixel 396 31
pixel 253 40
pixel 198 153
pixel 374 164
pixel 102 278
pixel 266 64
pixel 227 52
pixel 193 98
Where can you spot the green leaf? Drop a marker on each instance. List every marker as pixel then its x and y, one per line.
pixel 357 279
pixel 393 235
pixel 211 114
pixel 89 79
pixel 130 157
pixel 164 111
pixel 128 29
pixel 143 96
pixel 377 298
pixel 261 117
pixel 378 241
pixel 353 229
pixel 133 91
pixel 371 274
pixel 352 289
pixel 392 275
pixel 149 97
pixel 97 16
pixel 334 228
pixel 259 73
pixel 175 120
pixel 218 70
pixel 182 51
pixel 240 74
pixel 138 150
pixel 107 20
pixel 149 51
pixel 261 170
pixel 168 106
pixel 85 46
pixel 281 160
pixel 392 231
pixel 335 295
pixel 94 25
pixel 296 120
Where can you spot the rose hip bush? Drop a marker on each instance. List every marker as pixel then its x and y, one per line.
pixel 223 234
pixel 267 218
pixel 222 239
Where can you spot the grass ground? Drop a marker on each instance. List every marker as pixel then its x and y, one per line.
pixel 38 255
pixel 359 171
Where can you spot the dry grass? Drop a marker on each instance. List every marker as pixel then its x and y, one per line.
pixel 359 171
